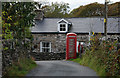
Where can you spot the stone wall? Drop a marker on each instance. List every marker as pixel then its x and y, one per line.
pixel 13 53
pixel 58 42
pixel 83 38
pixel 113 37
pixel 48 56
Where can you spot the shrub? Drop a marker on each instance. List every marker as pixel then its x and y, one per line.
pixel 106 54
pixel 102 56
pixel 20 68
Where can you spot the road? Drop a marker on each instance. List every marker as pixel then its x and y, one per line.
pixel 60 68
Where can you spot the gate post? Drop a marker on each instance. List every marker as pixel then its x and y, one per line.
pixel 71 42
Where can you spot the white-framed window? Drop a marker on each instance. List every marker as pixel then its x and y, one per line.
pixel 62 27
pixel 45 46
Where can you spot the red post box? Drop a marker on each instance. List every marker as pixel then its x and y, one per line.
pixel 71 46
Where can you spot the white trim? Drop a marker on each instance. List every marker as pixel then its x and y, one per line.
pixel 59 27
pixel 66 27
pixel 40 46
pixel 50 47
pixel 63 20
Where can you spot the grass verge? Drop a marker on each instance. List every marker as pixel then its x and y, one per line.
pixel 21 68
pixel 91 63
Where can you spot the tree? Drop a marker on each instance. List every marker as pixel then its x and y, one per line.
pixel 57 10
pixel 22 15
pixel 94 9
pixel 114 9
pixel 17 20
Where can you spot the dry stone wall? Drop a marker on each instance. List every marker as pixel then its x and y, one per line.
pixel 48 56
pixel 13 54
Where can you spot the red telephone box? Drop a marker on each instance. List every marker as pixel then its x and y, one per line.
pixel 71 46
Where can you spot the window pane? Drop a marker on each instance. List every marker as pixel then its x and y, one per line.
pixel 63 29
pixel 43 49
pixel 43 44
pixel 47 50
pixel 63 25
pixel 47 44
pixel 60 29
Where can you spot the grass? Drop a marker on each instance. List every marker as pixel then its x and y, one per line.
pixel 91 63
pixel 21 68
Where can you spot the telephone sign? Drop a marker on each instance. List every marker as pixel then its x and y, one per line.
pixel 71 46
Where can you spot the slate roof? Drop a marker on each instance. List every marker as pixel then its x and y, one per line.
pixel 79 25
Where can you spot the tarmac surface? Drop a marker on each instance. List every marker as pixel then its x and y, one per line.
pixel 60 68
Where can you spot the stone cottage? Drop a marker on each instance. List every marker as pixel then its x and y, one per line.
pixel 50 33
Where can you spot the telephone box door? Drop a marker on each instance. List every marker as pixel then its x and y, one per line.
pixel 71 46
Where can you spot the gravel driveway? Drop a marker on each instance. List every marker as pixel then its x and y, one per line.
pixel 60 68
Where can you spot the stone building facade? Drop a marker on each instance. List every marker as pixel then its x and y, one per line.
pixel 58 41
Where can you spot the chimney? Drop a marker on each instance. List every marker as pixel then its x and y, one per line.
pixel 39 15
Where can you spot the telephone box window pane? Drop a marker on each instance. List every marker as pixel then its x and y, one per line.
pixel 72 48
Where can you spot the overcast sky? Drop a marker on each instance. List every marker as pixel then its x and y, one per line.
pixel 76 3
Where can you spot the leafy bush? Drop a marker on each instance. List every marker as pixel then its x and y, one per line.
pixel 106 54
pixel 102 56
